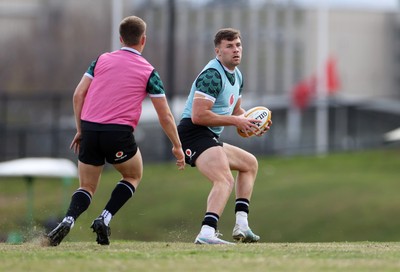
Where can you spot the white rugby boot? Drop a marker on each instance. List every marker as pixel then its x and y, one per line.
pixel 244 235
pixel 208 236
pixel 211 240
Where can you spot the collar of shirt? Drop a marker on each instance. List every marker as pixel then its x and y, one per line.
pixel 225 68
pixel 131 49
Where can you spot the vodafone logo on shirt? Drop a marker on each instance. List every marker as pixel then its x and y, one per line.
pixel 231 100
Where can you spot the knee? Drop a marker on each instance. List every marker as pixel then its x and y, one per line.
pixel 133 179
pixel 136 176
pixel 227 182
pixel 252 164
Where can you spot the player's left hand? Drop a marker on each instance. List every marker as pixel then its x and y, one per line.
pixel 180 157
pixel 261 132
pixel 76 142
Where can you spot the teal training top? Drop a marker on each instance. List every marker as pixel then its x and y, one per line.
pixel 219 85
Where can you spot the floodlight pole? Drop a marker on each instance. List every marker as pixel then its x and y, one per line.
pixel 116 17
pixel 293 113
pixel 321 101
pixel 170 65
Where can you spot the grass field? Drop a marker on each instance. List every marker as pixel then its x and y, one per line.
pixel 345 197
pixel 162 256
pixel 336 213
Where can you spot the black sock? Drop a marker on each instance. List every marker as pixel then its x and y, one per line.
pixel 80 201
pixel 242 205
pixel 211 219
pixel 119 196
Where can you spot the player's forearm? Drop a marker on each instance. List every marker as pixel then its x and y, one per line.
pixel 78 104
pixel 167 123
pixel 79 98
pixel 208 118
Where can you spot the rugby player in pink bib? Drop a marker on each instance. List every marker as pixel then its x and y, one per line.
pixel 107 105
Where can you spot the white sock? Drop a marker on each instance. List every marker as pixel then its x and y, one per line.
pixel 107 217
pixel 207 231
pixel 69 219
pixel 241 219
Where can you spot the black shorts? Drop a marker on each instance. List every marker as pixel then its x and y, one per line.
pixel 111 143
pixel 195 140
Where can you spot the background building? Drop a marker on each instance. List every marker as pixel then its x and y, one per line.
pixel 46 46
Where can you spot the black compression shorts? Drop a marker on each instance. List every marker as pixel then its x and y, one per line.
pixel 111 143
pixel 195 140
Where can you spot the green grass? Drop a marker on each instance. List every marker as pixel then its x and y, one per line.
pixel 164 256
pixel 345 197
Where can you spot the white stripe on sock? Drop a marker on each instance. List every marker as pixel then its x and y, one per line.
pixel 212 216
pixel 242 202
pixel 130 189
pixel 85 193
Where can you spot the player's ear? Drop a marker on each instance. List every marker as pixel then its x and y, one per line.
pixel 143 39
pixel 121 40
pixel 216 49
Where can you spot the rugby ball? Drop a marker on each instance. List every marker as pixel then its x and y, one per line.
pixel 259 113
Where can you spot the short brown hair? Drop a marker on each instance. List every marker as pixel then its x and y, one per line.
pixel 131 30
pixel 228 34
